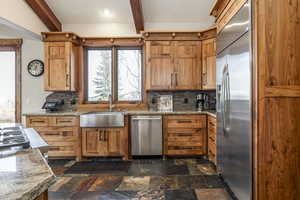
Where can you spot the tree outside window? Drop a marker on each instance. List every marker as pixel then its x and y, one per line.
pixel 125 70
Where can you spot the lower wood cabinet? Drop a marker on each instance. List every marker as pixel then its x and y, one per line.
pixel 62 133
pixel 185 135
pixel 104 142
pixel 212 139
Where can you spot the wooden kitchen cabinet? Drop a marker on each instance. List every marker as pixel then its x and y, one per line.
pixel 212 139
pixel 173 65
pixel 60 66
pixel 187 68
pixel 159 65
pixel 185 135
pixel 209 64
pixel 102 141
pixel 62 133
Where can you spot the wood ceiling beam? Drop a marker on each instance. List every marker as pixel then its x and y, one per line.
pixel 44 12
pixel 137 12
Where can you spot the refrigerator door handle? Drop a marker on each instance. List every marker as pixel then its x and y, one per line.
pixel 223 97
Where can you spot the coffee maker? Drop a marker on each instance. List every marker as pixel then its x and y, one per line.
pixel 200 102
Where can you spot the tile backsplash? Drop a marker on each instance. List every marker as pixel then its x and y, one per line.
pixel 182 100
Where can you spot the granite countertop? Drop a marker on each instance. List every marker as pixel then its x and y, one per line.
pixel 130 112
pixel 24 175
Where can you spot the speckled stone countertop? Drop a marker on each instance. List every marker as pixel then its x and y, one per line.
pixel 130 112
pixel 24 175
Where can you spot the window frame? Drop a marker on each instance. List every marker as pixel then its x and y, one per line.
pixel 114 75
pixel 15 45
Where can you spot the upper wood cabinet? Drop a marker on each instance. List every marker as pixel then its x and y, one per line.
pixel 209 64
pixel 173 65
pixel 61 61
pixel 159 65
pixel 60 66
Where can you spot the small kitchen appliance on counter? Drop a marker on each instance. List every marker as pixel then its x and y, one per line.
pixel 52 106
pixel 200 102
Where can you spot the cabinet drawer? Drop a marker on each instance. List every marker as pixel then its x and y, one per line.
pixel 187 121
pixel 185 135
pixel 57 134
pixel 61 149
pixel 185 150
pixel 64 121
pixel 37 121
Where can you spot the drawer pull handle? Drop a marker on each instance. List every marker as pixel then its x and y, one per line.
pixel 184 135
pixel 54 148
pixel 64 121
pixel 184 121
pixel 100 135
pixel 38 121
pixel 51 133
pixel 105 135
pixel 165 54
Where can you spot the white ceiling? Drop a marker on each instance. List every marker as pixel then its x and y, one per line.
pixel 177 11
pixel 158 14
pixel 91 11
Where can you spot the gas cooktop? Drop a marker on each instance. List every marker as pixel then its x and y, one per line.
pixel 13 135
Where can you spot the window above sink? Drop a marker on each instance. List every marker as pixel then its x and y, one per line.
pixel 115 71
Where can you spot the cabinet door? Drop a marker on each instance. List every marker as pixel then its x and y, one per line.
pixel 209 64
pixel 114 141
pixel 187 65
pixel 93 142
pixel 57 75
pixel 159 65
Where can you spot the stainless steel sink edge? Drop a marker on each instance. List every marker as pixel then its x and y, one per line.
pixel 102 119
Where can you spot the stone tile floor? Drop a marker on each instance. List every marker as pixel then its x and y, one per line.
pixel 145 179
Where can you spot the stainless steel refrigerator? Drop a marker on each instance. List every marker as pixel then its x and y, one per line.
pixel 234 99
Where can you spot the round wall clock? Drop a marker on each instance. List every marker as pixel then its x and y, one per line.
pixel 35 68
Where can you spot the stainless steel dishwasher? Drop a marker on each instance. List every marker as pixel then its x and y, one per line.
pixel 146 135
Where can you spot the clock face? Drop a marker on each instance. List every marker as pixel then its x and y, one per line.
pixel 36 68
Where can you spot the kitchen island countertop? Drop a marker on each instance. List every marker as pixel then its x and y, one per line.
pixel 25 175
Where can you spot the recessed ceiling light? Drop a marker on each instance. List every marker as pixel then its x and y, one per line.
pixel 107 13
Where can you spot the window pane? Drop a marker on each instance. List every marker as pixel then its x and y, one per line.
pixel 99 74
pixel 129 75
pixel 7 86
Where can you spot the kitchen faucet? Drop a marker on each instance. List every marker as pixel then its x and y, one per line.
pixel 111 105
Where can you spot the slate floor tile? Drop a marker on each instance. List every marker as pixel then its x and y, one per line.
pixel 177 170
pixel 213 181
pixel 164 183
pixel 194 170
pixel 131 183
pixel 207 169
pixel 109 195
pixel 212 194
pixel 59 195
pixel 105 183
pixel 185 161
pixel 192 182
pixel 180 195
pixel 60 181
pixel 151 195
pixel 140 179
